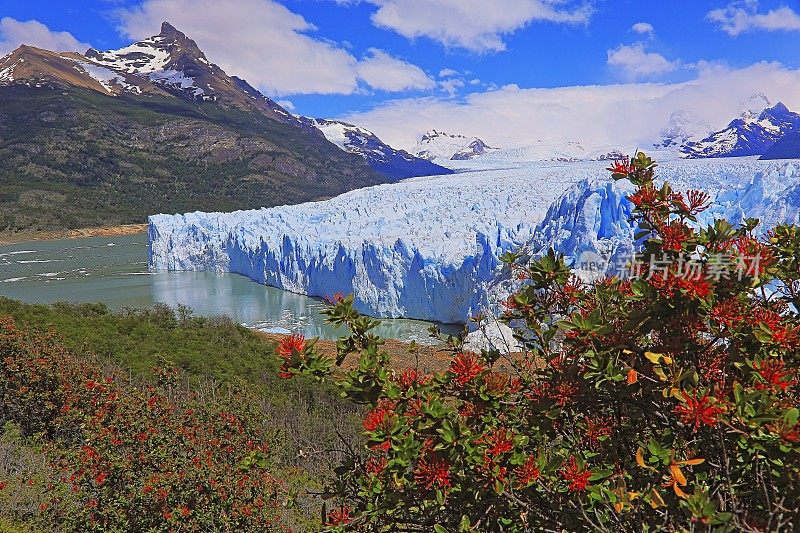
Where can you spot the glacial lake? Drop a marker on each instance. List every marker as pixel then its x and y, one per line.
pixel 113 270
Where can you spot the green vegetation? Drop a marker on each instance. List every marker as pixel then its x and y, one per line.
pixel 73 158
pixel 665 401
pixel 219 366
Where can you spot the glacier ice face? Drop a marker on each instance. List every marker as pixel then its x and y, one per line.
pixel 429 248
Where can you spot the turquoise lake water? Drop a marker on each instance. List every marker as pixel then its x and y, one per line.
pixel 113 270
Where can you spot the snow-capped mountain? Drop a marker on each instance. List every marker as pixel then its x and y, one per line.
pixel 156 112
pixel 437 144
pixel 175 63
pixel 33 67
pixel 168 64
pixel 683 127
pixel 753 133
pixel 395 164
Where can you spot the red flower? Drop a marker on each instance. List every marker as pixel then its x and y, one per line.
pixel 785 433
pixel 576 476
pixel 185 511
pixel 286 348
pixel 768 317
pixel 412 377
pixel 647 196
pixel 466 366
pixel 564 392
pixel 695 287
pixel 774 375
pixel 339 517
pixel 528 472
pixel 289 344
pixel 698 201
pixel 382 417
pixel 622 167
pixel 101 478
pixel 376 465
pixel 673 235
pixel 712 366
pixel 382 447
pixel 499 441
pixel 433 472
pixel 3 485
pixel 727 313
pixel 336 298
pixel 698 411
pixel 597 428
pixel 786 336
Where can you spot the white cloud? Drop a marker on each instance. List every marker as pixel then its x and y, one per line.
pixel 451 85
pixel 476 81
pixel 635 62
pixel 286 104
pixel 476 25
pixel 594 115
pixel 382 71
pixel 268 45
pixel 14 33
pixel 644 28
pixel 740 17
pixel 448 72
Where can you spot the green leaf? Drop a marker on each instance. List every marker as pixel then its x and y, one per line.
pixel 791 416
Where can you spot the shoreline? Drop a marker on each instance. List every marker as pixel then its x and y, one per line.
pixel 51 235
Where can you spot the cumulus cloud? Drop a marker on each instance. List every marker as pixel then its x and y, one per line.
pixel 448 72
pixel 382 71
pixel 635 62
pixel 740 17
pixel 476 25
pixel 644 28
pixel 270 46
pixel 286 104
pixel 451 85
pixel 32 32
pixel 594 115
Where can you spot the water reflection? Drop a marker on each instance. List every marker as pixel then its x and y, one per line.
pixel 113 270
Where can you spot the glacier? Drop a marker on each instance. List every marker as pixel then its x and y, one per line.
pixel 429 248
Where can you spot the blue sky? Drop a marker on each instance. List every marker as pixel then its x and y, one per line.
pixel 357 57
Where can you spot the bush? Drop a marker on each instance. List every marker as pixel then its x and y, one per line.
pixel 664 401
pixel 123 457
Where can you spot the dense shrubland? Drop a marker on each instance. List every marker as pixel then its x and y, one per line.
pixel 177 423
pixel 665 398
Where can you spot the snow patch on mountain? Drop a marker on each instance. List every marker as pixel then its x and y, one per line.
pixel 144 57
pixel 395 164
pixel 109 79
pixel 176 79
pixel 440 145
pixel 683 127
pixel 7 74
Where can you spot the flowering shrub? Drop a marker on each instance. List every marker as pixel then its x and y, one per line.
pixel 128 458
pixel 667 401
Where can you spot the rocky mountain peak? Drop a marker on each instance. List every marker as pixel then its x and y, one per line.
pixel 168 31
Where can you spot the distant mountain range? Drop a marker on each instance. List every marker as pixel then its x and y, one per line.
pixel 395 164
pixel 754 133
pixel 683 127
pixel 111 137
pixel 439 145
